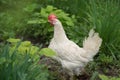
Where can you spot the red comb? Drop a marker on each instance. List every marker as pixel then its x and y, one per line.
pixel 51 17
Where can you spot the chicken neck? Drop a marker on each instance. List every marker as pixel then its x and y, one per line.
pixel 59 33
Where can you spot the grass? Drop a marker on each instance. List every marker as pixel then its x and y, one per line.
pixel 104 17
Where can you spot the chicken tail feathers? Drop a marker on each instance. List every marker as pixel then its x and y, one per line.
pixel 92 44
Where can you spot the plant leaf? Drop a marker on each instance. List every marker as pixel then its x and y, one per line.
pixel 103 77
pixel 12 40
pixel 26 43
pixel 47 52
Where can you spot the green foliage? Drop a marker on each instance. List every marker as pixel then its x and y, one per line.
pixel 94 76
pixel 39 22
pixel 105 59
pixel 47 52
pixel 12 17
pixel 43 15
pixel 14 66
pixel 103 77
pixel 24 46
pixel 12 40
pixel 104 16
pixel 5 30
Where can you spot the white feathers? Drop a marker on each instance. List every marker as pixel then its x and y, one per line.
pixel 92 43
pixel 70 55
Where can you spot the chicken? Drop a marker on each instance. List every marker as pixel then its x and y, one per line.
pixel 72 58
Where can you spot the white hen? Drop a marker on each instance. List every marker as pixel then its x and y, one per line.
pixel 70 55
